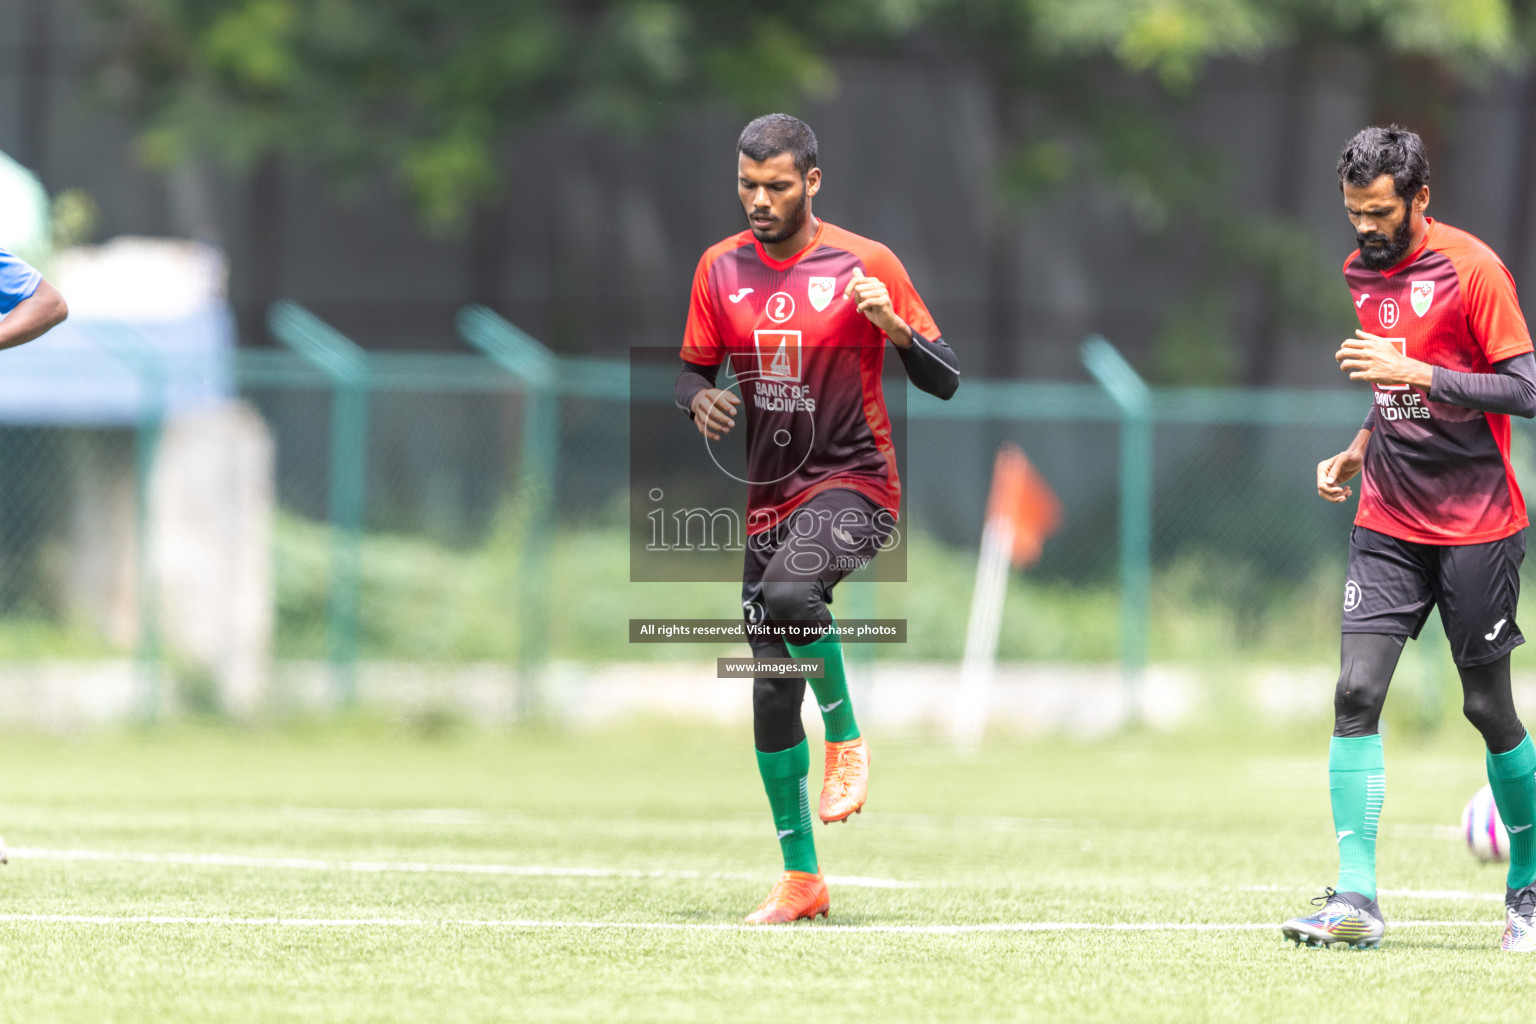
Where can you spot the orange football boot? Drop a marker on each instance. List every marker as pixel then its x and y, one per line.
pixel 795 895
pixel 846 784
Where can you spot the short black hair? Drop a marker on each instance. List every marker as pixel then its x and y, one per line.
pixel 1391 150
pixel 766 137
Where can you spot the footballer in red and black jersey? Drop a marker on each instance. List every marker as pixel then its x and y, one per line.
pixel 1438 473
pixel 798 312
pixel 808 363
pixel 1441 519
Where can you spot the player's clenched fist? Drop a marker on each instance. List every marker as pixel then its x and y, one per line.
pixel 1334 473
pixel 1372 358
pixel 874 301
pixel 714 412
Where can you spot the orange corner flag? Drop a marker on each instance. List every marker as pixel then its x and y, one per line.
pixel 1022 499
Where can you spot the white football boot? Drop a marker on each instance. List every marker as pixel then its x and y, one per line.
pixel 1519 928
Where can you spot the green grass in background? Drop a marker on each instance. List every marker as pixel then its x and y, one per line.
pixel 1146 830
pixel 31 639
pixel 422 600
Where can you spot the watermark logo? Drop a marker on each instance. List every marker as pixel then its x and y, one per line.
pixel 816 539
pixel 804 420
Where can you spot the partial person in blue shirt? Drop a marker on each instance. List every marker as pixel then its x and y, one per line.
pixel 30 305
pixel 29 308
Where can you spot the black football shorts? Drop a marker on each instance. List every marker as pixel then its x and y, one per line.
pixel 822 541
pixel 1393 584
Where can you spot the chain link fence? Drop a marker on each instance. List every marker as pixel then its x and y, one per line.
pixel 473 510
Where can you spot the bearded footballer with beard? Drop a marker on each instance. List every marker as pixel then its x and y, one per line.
pixel 803 309
pixel 1441 520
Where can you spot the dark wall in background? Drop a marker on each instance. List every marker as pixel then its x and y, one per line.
pixel 594 246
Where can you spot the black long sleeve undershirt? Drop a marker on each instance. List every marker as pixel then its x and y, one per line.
pixel 1510 389
pixel 931 366
pixel 693 378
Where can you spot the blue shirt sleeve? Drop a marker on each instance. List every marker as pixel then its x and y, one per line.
pixel 18 280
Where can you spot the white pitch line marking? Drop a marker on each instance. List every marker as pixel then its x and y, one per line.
pixel 405 816
pixel 1443 894
pixel 226 860
pixel 471 817
pixel 1419 894
pixel 667 926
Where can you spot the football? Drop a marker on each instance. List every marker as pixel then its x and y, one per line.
pixel 1482 828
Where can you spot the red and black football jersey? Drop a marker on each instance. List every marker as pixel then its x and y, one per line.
pixel 807 362
pixel 1437 473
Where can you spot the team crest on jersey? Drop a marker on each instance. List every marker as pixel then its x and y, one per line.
pixel 778 354
pixel 820 292
pixel 1421 294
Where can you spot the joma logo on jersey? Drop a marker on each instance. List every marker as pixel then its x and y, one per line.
pixel 778 354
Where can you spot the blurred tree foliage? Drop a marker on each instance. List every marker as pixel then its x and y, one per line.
pixel 430 91
pixel 1071 80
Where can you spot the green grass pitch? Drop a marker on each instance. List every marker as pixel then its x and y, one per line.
pixel 360 873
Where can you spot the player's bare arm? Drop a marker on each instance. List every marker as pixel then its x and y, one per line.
pixel 1371 358
pixel 1334 474
pixel 874 301
pixel 930 364
pixel 33 316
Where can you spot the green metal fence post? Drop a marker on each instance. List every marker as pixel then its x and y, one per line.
pixel 539 370
pixel 347 366
pixel 1134 400
pixel 134 352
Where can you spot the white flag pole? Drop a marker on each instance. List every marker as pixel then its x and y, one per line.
pixel 973 704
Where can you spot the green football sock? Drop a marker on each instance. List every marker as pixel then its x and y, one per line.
pixel 1357 785
pixel 832 688
pixel 783 773
pixel 1512 777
